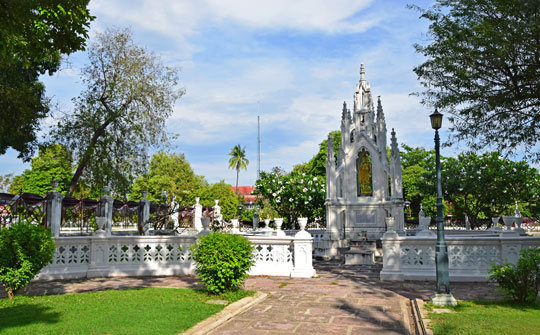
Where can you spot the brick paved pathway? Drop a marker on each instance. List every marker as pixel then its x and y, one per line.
pixel 343 300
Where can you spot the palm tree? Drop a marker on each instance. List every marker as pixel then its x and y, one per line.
pixel 238 161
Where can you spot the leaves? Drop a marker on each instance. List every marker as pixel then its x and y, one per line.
pixel 522 280
pixel 52 163
pixel 482 66
pixel 293 195
pixel 121 114
pixel 33 35
pixel 222 261
pixel 24 250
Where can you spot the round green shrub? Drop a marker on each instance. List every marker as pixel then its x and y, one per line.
pixel 222 261
pixel 522 280
pixel 24 250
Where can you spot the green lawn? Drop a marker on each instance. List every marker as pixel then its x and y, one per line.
pixel 136 311
pixel 490 318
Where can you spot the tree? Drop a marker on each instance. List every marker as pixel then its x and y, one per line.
pixel 122 112
pixel 419 179
pixel 171 173
pixel 5 182
pixel 53 162
pixel 482 67
pixel 238 161
pixel 317 164
pixel 486 186
pixel 24 250
pixel 33 35
pixel 228 201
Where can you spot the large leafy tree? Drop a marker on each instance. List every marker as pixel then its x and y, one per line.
pixel 33 35
pixel 171 173
pixel 228 201
pixel 53 162
pixel 128 97
pixel 483 66
pixel 485 186
pixel 238 161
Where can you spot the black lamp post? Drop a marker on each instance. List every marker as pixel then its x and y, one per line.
pixel 441 250
pixel 240 208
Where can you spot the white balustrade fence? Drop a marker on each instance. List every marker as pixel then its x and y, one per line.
pixel 117 256
pixel 470 258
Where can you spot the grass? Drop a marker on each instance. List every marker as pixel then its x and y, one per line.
pixel 489 318
pixel 153 310
pixel 282 285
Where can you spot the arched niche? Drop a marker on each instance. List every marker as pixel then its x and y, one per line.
pixel 364 174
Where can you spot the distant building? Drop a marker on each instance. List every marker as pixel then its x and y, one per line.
pixel 246 193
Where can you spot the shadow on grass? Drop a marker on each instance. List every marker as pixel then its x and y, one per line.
pixel 24 314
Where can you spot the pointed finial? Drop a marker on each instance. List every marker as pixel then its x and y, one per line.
pixel 362 73
pixel 344 111
pixel 379 105
pixel 394 146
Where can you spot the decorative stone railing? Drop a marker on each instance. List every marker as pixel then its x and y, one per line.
pixel 470 258
pixel 118 256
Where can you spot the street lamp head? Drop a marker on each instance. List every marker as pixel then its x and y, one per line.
pixel 436 119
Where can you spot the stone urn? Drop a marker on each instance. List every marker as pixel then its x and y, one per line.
pixel 279 222
pixel 508 221
pixel 205 223
pixel 100 222
pixel 302 222
pixel 518 221
pixel 266 223
pixel 54 185
pixel 390 223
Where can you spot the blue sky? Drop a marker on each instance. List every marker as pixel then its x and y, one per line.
pixel 291 62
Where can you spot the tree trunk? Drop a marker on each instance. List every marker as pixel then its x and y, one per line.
pixel 10 294
pixel 237 173
pixel 88 154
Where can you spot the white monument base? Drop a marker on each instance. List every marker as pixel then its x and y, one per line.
pixel 444 299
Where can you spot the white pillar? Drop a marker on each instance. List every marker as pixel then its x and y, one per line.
pixel 197 223
pixel 303 263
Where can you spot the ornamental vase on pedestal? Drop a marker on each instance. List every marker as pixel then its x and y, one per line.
pixel 302 222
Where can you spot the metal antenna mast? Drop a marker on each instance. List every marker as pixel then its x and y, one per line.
pixel 258 147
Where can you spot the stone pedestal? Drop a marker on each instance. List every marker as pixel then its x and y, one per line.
pixel 235 224
pixel 444 299
pixel 303 262
pixel 197 223
pixel 144 214
pixel 54 210
pixel 106 203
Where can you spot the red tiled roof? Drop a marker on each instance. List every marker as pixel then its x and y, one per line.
pixel 250 198
pixel 243 190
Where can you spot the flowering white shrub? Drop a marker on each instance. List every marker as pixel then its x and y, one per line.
pixel 294 195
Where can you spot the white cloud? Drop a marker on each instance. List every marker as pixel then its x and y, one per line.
pixel 184 18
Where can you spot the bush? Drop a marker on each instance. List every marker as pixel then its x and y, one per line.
pixel 24 250
pixel 521 281
pixel 222 261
